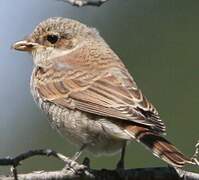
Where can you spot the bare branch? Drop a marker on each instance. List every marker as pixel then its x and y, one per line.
pixel 8 161
pixel 80 3
pixel 195 155
pixel 158 173
pixel 74 170
pixel 14 162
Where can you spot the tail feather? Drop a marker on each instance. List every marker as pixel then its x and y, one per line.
pixel 159 146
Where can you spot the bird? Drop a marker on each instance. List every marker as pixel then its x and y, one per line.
pixel 89 95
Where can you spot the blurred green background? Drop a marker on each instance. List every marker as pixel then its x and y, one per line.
pixel 157 40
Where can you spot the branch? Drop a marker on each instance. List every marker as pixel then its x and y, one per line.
pixel 75 171
pixel 8 161
pixel 80 3
pixel 157 173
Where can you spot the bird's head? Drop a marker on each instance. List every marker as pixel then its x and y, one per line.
pixel 54 37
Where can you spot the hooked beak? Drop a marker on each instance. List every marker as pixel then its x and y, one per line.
pixel 24 45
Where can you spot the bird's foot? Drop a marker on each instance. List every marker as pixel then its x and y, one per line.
pixel 120 169
pixel 120 165
pixel 86 162
pixel 76 167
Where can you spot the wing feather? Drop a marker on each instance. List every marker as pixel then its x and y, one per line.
pixel 110 92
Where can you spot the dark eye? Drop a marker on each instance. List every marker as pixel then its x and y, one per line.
pixel 52 38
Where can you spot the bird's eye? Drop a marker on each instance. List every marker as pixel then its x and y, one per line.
pixel 52 38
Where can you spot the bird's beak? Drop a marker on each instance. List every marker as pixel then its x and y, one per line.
pixel 25 46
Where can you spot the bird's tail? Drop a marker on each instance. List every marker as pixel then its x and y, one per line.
pixel 159 146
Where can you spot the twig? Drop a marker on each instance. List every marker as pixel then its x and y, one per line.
pixel 14 162
pixel 8 161
pixel 195 156
pixel 156 173
pixel 14 171
pixel 74 170
pixel 80 3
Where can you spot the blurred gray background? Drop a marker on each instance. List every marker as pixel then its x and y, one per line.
pixel 157 40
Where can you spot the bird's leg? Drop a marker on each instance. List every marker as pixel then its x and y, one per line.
pixel 78 153
pixel 73 165
pixel 120 164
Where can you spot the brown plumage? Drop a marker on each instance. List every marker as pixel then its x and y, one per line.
pixel 88 93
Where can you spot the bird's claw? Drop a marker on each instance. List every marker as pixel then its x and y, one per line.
pixel 120 165
pixel 76 167
pixel 86 162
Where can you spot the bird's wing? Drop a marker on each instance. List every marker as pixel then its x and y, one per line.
pixel 110 93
